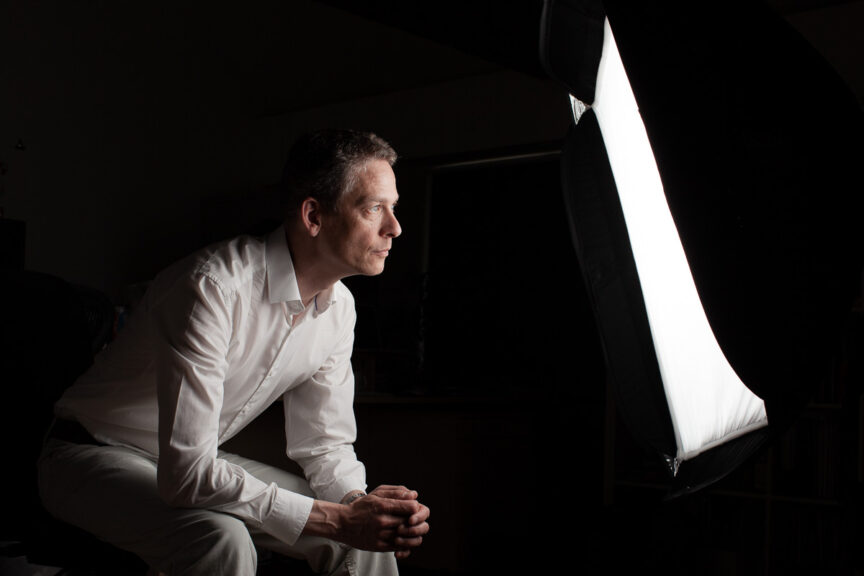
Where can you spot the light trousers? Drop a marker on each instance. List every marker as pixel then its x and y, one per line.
pixel 111 492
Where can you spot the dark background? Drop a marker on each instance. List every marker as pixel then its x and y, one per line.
pixel 132 134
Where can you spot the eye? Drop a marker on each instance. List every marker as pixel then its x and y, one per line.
pixel 374 209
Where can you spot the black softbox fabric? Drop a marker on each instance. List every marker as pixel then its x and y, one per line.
pixel 756 140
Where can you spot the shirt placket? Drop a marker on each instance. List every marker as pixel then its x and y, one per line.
pixel 264 389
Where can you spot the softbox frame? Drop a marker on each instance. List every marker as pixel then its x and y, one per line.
pixel 756 140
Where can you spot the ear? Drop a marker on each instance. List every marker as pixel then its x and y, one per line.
pixel 310 215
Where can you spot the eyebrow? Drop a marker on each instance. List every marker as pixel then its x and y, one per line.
pixel 375 200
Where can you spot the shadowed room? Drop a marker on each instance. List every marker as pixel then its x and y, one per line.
pixel 132 134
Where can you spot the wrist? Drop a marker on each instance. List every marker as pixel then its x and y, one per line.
pixel 325 519
pixel 352 496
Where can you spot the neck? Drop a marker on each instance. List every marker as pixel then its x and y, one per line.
pixel 312 277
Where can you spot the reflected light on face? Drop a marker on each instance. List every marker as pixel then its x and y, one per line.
pixel 360 233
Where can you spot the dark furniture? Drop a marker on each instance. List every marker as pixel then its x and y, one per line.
pixel 51 330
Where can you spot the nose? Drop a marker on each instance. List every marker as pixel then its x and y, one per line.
pixel 391 227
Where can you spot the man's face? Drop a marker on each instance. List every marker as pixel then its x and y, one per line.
pixel 358 236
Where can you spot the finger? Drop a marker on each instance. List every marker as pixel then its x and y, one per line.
pixel 402 523
pixel 401 554
pixel 420 516
pixel 412 529
pixel 408 542
pixel 397 544
pixel 387 538
pixel 394 507
pixel 403 537
pixel 395 492
pixel 406 531
pixel 389 487
pixel 388 523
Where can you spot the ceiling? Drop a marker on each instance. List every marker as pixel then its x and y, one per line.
pixel 377 46
pixel 270 57
pixel 288 56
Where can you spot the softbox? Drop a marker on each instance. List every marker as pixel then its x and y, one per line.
pixel 711 183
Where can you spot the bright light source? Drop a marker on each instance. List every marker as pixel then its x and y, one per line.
pixel 708 403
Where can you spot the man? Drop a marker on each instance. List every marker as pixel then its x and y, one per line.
pixel 134 454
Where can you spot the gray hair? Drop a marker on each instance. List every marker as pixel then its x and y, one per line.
pixel 326 164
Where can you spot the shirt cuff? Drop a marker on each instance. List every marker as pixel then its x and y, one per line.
pixel 337 490
pixel 288 516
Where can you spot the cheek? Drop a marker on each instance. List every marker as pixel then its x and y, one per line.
pixel 366 233
pixel 358 240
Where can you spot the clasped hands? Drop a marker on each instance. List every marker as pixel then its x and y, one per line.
pixel 389 518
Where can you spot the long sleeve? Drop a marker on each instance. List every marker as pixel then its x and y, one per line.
pixel 196 330
pixel 320 424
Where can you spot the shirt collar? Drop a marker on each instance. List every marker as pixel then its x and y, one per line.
pixel 282 280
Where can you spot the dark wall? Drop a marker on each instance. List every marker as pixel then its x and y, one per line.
pixel 119 122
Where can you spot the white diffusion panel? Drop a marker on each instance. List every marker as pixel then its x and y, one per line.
pixel 707 401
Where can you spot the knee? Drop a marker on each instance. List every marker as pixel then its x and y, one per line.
pixel 324 556
pixel 218 544
pixel 329 557
pixel 235 548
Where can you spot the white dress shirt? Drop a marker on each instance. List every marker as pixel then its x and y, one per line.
pixel 218 337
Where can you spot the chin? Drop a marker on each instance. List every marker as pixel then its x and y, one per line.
pixel 372 270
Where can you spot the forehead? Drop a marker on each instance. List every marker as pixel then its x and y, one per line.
pixel 375 182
